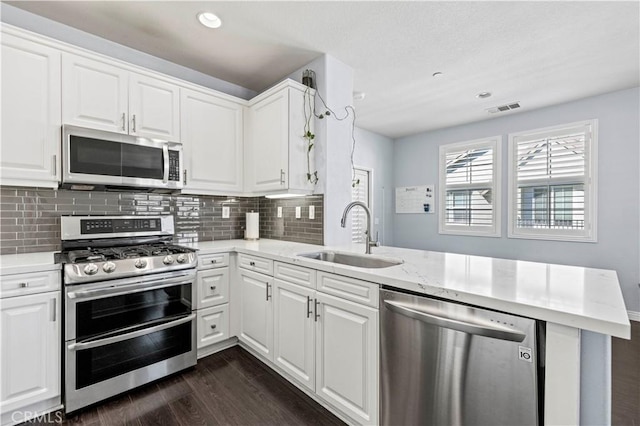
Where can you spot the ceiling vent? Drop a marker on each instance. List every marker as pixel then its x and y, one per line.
pixel 504 108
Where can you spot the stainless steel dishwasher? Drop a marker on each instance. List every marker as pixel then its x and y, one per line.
pixel 444 363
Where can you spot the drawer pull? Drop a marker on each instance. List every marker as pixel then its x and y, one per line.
pixel 252 263
pixel 24 285
pixel 213 287
pixel 316 315
pixel 267 289
pixel 213 326
pixel 309 311
pixel 214 261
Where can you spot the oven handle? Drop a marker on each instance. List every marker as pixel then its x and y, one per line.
pixel 127 336
pixel 132 288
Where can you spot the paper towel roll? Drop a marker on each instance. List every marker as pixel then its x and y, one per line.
pixel 252 231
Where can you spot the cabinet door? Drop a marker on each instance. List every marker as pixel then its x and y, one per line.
pixel 256 312
pixel 212 136
pixel 347 357
pixel 94 94
pixel 213 287
pixel 294 332
pixel 30 366
pixel 154 108
pixel 268 148
pixel 30 113
pixel 213 325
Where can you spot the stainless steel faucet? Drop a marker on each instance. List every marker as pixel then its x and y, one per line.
pixel 343 222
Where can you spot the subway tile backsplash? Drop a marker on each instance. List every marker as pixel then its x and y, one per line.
pixel 303 230
pixel 30 217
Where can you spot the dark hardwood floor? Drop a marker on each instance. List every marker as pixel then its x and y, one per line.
pixel 230 387
pixel 625 393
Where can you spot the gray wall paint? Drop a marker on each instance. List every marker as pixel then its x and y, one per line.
pixel 38 24
pixel 416 162
pixel 375 152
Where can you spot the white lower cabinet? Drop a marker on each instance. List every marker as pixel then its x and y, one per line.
pixel 347 357
pixel 256 312
pixel 294 331
pixel 213 325
pixel 325 344
pixel 30 365
pixel 212 302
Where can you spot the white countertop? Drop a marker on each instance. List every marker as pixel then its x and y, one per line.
pixel 27 262
pixel 584 298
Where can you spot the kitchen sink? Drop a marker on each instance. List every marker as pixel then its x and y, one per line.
pixel 358 260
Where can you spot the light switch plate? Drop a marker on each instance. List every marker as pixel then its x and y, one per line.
pixel 279 214
pixel 298 212
pixel 312 212
pixel 226 210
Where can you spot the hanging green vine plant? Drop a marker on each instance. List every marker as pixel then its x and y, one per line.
pixel 308 79
pixel 309 137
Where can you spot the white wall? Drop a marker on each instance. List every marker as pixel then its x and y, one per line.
pixel 332 143
pixel 416 162
pixel 375 152
pixel 38 24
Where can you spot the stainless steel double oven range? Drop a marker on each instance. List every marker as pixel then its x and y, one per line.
pixel 128 303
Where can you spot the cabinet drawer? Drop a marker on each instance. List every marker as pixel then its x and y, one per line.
pixel 213 325
pixel 213 287
pixel 37 282
pixel 295 274
pixel 348 288
pixel 257 264
pixel 214 260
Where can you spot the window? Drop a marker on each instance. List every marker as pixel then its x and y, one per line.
pixel 552 183
pixel 360 192
pixel 469 188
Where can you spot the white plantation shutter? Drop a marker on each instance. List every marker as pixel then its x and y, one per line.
pixel 359 192
pixel 552 183
pixel 469 188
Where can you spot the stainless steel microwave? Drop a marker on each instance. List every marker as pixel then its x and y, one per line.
pixel 96 159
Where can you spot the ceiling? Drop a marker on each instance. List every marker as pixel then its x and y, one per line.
pixel 537 53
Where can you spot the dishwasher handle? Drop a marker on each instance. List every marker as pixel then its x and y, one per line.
pixel 496 332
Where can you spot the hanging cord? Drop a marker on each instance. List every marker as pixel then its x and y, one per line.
pixel 349 111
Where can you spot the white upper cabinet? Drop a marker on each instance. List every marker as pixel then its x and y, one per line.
pixel 30 113
pixel 103 96
pixel 154 108
pixel 95 94
pixel 212 138
pixel 275 147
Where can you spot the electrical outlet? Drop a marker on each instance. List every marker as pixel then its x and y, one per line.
pixel 312 212
pixel 298 212
pixel 279 214
pixel 226 211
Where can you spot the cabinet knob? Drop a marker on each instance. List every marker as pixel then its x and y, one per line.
pixel 24 285
pixel 213 326
pixel 214 261
pixel 252 263
pixel 213 287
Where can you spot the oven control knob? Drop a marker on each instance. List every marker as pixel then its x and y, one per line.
pixel 140 263
pixel 109 267
pixel 168 260
pixel 91 269
pixel 181 258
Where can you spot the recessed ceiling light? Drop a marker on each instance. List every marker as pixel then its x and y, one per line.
pixel 437 74
pixel 483 95
pixel 209 19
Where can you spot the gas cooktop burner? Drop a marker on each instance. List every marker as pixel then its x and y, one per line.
pixel 125 252
pixel 98 264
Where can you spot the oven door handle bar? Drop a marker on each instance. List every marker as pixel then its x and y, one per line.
pixel 127 336
pixel 136 287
